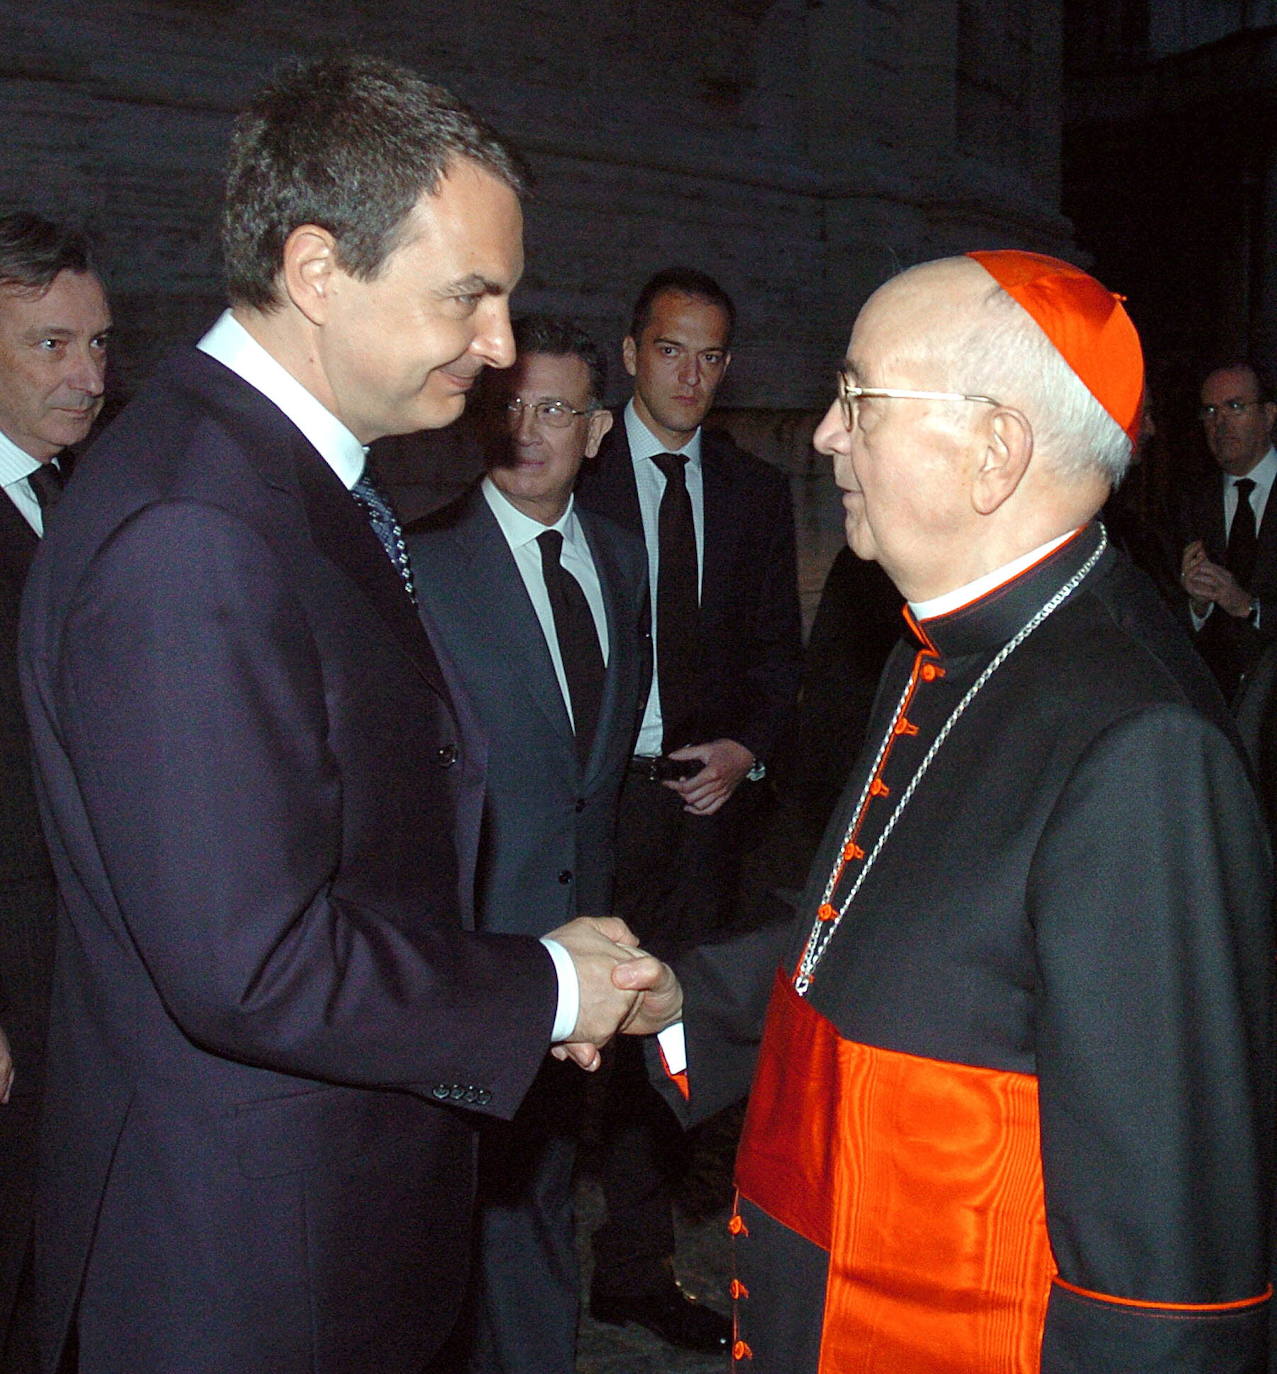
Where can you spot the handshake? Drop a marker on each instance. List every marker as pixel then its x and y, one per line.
pixel 623 990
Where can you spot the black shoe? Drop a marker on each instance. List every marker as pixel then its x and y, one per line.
pixel 674 1315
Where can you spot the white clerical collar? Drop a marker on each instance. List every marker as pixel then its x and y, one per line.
pixel 234 347
pixel 973 591
pixel 520 529
pixel 644 444
pixel 15 463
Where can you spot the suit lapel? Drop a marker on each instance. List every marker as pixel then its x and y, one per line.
pixel 720 521
pixel 288 463
pixel 607 481
pixel 499 599
pixel 621 662
pixel 18 542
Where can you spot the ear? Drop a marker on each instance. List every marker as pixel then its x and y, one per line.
pixel 1270 414
pixel 309 272
pixel 597 426
pixel 629 355
pixel 727 362
pixel 1004 459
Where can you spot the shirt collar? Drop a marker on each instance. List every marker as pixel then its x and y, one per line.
pixel 643 443
pixel 991 617
pixel 16 463
pixel 972 591
pixel 520 529
pixel 1262 474
pixel 234 347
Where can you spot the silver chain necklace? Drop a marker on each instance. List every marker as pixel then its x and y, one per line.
pixel 823 930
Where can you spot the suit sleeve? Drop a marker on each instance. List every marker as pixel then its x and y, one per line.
pixel 726 987
pixel 199 721
pixel 1150 898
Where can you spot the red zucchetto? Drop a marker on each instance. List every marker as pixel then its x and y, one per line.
pixel 1086 322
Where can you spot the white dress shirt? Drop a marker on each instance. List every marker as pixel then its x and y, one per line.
pixel 521 533
pixel 16 465
pixel 650 483
pixel 232 345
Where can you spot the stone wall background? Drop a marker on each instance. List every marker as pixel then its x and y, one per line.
pixel 799 150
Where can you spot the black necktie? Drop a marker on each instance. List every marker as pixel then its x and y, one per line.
pixel 677 604
pixel 578 642
pixel 381 515
pixel 47 482
pixel 1239 558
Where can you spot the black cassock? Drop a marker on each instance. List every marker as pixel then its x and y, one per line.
pixel 1022 1118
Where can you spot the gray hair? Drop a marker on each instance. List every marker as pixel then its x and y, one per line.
pixel 33 250
pixel 1003 350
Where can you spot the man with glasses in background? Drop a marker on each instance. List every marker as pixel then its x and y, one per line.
pixel 1229 564
pixel 1012 1102
pixel 542 606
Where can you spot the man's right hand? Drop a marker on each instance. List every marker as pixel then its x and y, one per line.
pixel 597 945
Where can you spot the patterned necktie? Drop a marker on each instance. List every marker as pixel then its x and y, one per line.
pixel 677 605
pixel 47 482
pixel 381 515
pixel 1239 558
pixel 578 642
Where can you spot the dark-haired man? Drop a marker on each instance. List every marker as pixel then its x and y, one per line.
pixel 270 1027
pixel 1229 565
pixel 543 608
pixel 719 528
pixel 54 322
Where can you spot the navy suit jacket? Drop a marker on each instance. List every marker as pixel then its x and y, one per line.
pixel 751 630
pixel 549 826
pixel 262 802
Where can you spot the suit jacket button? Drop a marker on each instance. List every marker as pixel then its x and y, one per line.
pixel 565 875
pixel 446 755
pixel 483 1097
pixel 440 1091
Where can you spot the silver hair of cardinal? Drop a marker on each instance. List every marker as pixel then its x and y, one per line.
pixel 824 931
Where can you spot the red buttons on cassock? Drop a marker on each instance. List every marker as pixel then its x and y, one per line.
pixel 740 1351
pixel 737 1225
pixel 738 1290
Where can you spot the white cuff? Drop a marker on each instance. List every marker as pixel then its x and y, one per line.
pixel 673 1045
pixel 569 1007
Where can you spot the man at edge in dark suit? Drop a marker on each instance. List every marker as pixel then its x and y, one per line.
pixel 719 528
pixel 261 789
pixel 559 700
pixel 1229 565
pixel 54 322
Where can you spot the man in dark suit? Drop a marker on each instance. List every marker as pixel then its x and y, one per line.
pixel 262 796
pixel 559 704
pixel 719 528
pixel 54 321
pixel 1229 564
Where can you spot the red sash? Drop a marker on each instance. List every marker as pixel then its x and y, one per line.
pixel 923 1180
